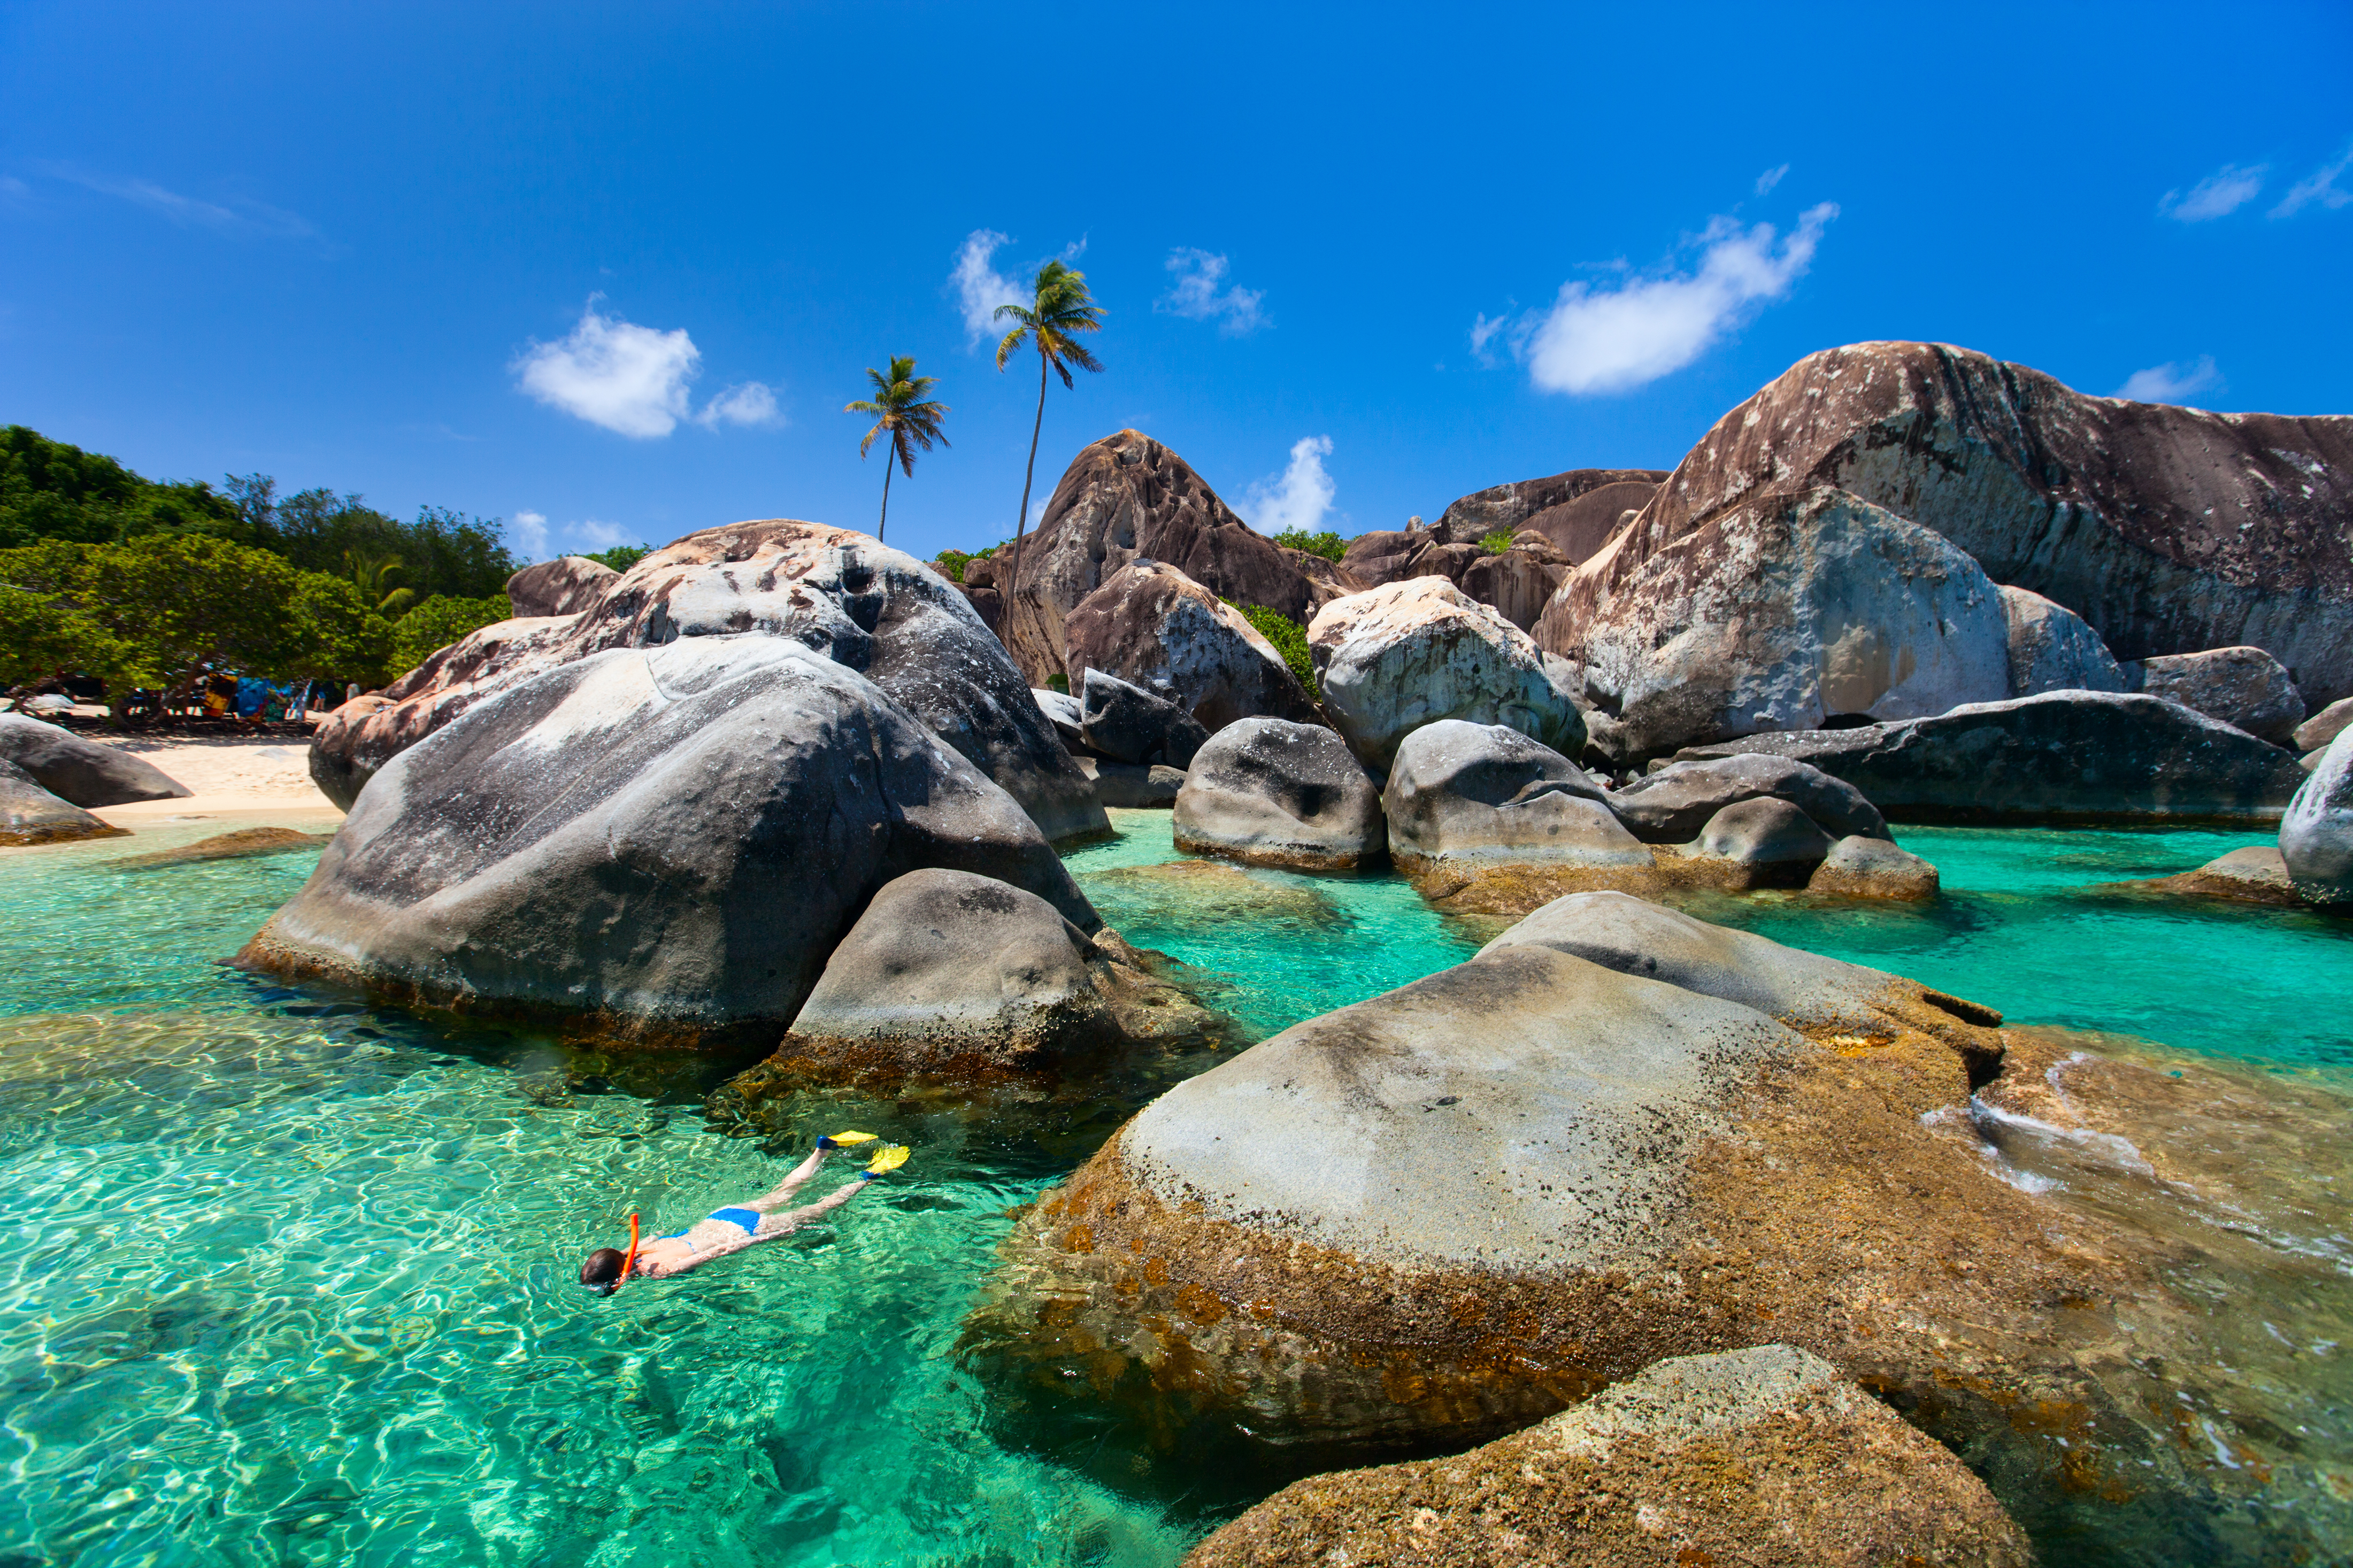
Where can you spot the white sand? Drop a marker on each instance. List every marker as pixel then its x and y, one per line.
pixel 226 773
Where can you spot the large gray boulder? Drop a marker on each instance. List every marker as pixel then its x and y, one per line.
pixel 1413 653
pixel 1671 806
pixel 2053 648
pixel 2168 529
pixel 1128 724
pixel 1272 793
pixel 1152 627
pixel 2090 756
pixel 1463 798
pixel 655 843
pixel 31 814
pixel 81 771
pixel 1778 616
pixel 1125 497
pixel 564 586
pixel 2315 837
pixel 869 608
pixel 1063 713
pixel 1764 1457
pixel 2241 686
pixel 952 975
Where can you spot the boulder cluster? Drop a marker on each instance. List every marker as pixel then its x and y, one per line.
pixel 52 777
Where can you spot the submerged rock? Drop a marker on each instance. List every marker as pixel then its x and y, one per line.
pixel 2256 875
pixel 1781 615
pixel 2089 756
pixel 1272 793
pixel 1860 868
pixel 31 814
pixel 1410 654
pixel 2053 648
pixel 1201 893
pixel 1152 627
pixel 1763 1456
pixel 861 604
pixel 2316 839
pixel 1128 724
pixel 2241 686
pixel 952 977
pixel 81 772
pixel 657 844
pixel 245 844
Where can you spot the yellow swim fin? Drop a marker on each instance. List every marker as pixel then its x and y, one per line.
pixel 889 1157
pixel 843 1139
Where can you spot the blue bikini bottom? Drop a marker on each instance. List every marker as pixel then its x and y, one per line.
pixel 747 1218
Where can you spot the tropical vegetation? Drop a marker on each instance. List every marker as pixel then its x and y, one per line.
pixel 1289 640
pixel 1059 306
pixel 1327 545
pixel 904 418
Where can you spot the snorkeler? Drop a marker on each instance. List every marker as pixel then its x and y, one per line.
pixel 727 1230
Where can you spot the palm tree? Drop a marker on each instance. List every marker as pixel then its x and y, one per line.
pixel 899 408
pixel 1062 306
pixel 373 574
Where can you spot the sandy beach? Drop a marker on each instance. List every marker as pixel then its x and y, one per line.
pixel 224 774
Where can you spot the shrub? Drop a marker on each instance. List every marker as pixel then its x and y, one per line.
pixel 1496 542
pixel 621 557
pixel 1327 545
pixel 954 562
pixel 1059 682
pixel 1289 640
pixel 438 622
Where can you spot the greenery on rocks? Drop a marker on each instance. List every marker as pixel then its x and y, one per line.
pixel 437 623
pixel 1289 639
pixel 954 562
pixel 1327 545
pixel 1496 541
pixel 621 557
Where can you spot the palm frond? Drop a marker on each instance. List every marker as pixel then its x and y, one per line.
pixel 1013 340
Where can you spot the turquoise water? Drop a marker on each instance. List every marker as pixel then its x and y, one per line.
pixel 286 1280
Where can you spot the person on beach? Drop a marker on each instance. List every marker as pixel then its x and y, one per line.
pixel 733 1229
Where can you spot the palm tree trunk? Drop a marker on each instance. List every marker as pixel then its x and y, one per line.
pixel 885 523
pixel 1021 523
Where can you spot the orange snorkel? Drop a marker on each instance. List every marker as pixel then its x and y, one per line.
pixel 630 1260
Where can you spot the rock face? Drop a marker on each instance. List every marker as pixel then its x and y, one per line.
pixel 1129 724
pixel 31 814
pixel 1410 654
pixel 1763 1456
pixel 81 772
pixel 1510 508
pixel 1385 556
pixel 1672 805
pixel 2071 755
pixel 1777 616
pixel 1134 787
pixel 662 844
pixel 1063 713
pixel 1272 793
pixel 1579 527
pixel 2316 838
pixel 2053 648
pixel 1128 496
pixel 1462 797
pixel 2168 529
pixel 2241 686
pixel 564 586
pixel 867 607
pixel 950 975
pixel 1517 583
pixel 1152 627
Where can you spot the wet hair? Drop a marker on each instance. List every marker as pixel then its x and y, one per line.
pixel 602 1272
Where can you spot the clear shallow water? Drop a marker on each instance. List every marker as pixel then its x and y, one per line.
pixel 286 1280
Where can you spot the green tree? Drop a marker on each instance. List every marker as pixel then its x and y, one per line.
pixel 903 417
pixel 49 489
pixel 1059 306
pixel 190 606
pixel 338 634
pixel 372 574
pixel 621 557
pixel 44 635
pixel 1327 545
pixel 438 622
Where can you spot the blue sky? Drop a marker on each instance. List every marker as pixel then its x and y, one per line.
pixel 618 269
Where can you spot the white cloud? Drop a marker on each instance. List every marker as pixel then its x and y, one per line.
pixel 2170 383
pixel 601 535
pixel 747 402
pixel 980 288
pixel 1770 178
pixel 2224 192
pixel 529 531
pixel 1609 339
pixel 1483 333
pixel 243 218
pixel 1196 296
pixel 629 379
pixel 1301 496
pixel 2320 187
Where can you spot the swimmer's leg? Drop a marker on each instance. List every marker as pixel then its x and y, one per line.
pixel 792 1219
pixel 796 1180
